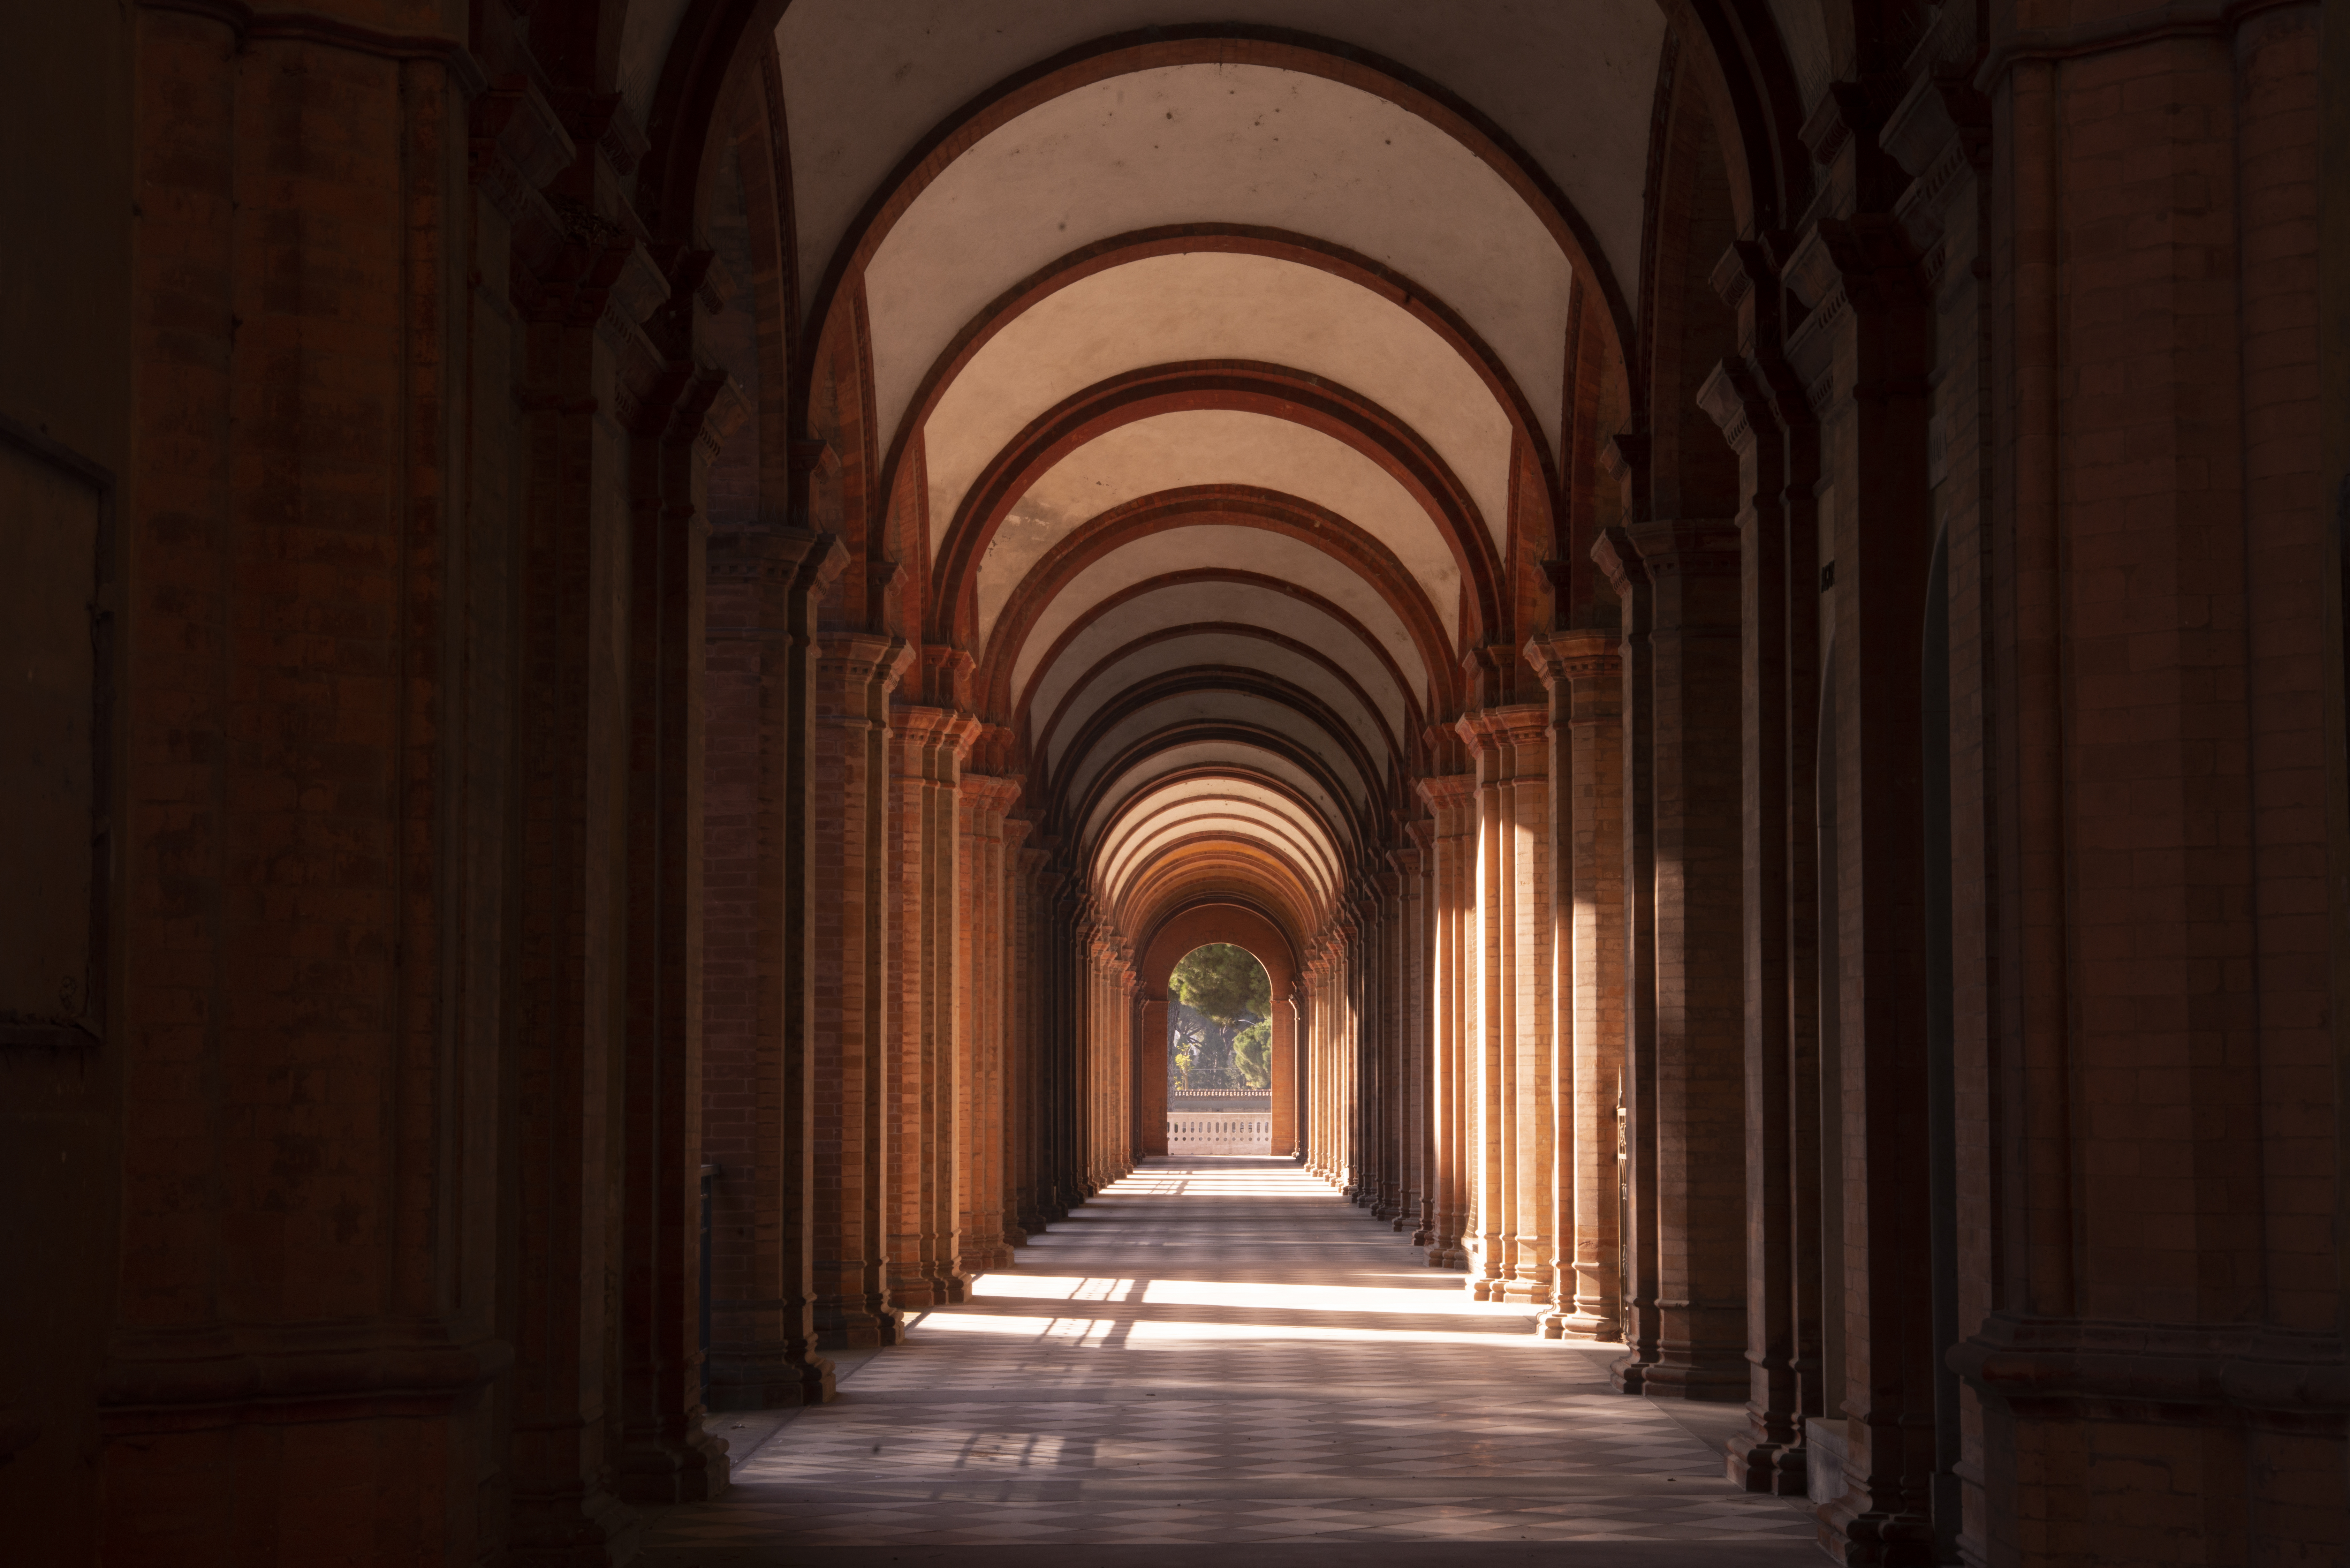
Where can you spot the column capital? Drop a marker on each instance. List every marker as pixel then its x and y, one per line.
pixel 1688 546
pixel 1490 731
pixel 943 727
pixel 874 655
pixel 1567 655
pixel 772 550
pixel 1619 562
pixel 1448 792
pixel 994 792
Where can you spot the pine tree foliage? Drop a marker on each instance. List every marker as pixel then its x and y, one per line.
pixel 1220 1037
pixel 1223 981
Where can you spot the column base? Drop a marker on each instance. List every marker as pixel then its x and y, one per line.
pixel 1580 1324
pixel 1629 1374
pixel 863 1329
pixel 1523 1292
pixel 1711 1382
pixel 1862 1537
pixel 758 1378
pixel 580 1529
pixel 1767 1465
pixel 680 1464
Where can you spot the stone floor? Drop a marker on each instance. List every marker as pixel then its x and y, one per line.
pixel 1222 1355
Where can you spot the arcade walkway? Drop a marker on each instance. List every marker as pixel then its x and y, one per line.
pixel 1223 1353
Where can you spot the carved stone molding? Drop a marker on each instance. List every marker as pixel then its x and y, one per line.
pixel 2126 1370
pixel 255 25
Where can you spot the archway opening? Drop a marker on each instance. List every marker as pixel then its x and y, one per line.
pixel 1219 1053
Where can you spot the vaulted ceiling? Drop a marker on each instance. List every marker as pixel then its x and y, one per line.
pixel 1227 360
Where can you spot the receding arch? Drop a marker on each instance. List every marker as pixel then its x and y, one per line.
pixel 1271 391
pixel 1206 250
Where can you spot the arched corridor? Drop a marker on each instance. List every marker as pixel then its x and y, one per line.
pixel 637 636
pixel 1223 1354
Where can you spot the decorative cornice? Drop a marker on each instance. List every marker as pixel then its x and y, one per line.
pixel 2075 1365
pixel 1576 654
pixel 213 1374
pixel 771 553
pixel 1442 790
pixel 2109 34
pixel 877 653
pixel 1688 546
pixel 1490 730
pixel 519 147
pixel 1619 562
pixel 999 791
pixel 334 33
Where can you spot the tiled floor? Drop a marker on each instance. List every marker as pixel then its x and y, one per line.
pixel 1221 1356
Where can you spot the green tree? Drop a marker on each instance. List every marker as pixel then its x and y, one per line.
pixel 1223 981
pixel 1220 989
pixel 1252 1053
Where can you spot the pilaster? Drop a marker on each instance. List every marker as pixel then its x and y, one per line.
pixel 1635 1088
pixel 856 673
pixel 1451 801
pixel 927 750
pixel 1508 1056
pixel 1582 671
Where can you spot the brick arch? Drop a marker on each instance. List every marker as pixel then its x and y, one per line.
pixel 1232 239
pixel 1353 549
pixel 1276 391
pixel 1194 924
pixel 1177 932
pixel 1196 44
pixel 993 684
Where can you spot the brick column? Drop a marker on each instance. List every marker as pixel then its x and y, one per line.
pixel 1635 1088
pixel 926 748
pixel 1287 1070
pixel 1508 1051
pixel 1413 1082
pixel 983 989
pixel 1019 1025
pixel 1151 1085
pixel 664 1456
pixel 1693 572
pixel 1584 672
pixel 1760 405
pixel 1380 1016
pixel 856 674
pixel 1452 801
pixel 360 686
pixel 760 898
pixel 1034 1046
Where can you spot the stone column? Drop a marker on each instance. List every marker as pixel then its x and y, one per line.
pixel 664 1456
pixel 1150 1088
pixel 1636 1089
pixel 1760 404
pixel 926 752
pixel 1287 1070
pixel 1693 572
pixel 1509 1050
pixel 1584 672
pixel 856 674
pixel 1452 801
pixel 1412 1072
pixel 760 898
pixel 983 992
pixel 362 869
pixel 1026 1057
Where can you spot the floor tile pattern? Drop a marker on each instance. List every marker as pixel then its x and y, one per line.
pixel 1222 1352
